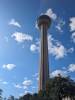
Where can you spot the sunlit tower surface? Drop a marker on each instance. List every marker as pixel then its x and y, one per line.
pixel 43 22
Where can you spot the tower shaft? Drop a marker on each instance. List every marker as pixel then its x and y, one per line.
pixel 44 22
pixel 44 63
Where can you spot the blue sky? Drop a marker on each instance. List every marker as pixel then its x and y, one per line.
pixel 20 38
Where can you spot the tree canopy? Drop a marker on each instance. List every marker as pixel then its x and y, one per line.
pixel 56 88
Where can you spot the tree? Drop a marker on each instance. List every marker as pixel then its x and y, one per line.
pixel 1 94
pixel 58 87
pixel 26 97
pixel 11 98
pixel 34 97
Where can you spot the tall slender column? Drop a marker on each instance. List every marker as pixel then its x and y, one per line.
pixel 43 23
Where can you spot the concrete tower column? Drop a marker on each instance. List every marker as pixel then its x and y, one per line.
pixel 43 24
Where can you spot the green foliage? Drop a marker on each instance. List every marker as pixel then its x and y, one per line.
pixel 42 93
pixel 26 97
pixel 1 94
pixel 56 89
pixel 11 98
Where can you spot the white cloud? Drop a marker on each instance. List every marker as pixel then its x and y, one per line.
pixel 54 47
pixel 21 37
pixel 4 82
pixel 27 82
pixel 72 24
pixel 51 14
pixel 24 85
pixel 33 87
pixel 71 68
pixel 36 25
pixel 73 37
pixel 57 49
pixel 72 28
pixel 9 66
pixel 14 23
pixel 64 72
pixel 18 86
pixel 36 76
pixel 60 25
pixel 26 92
pixel 57 72
pixel 34 47
pixel 70 50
